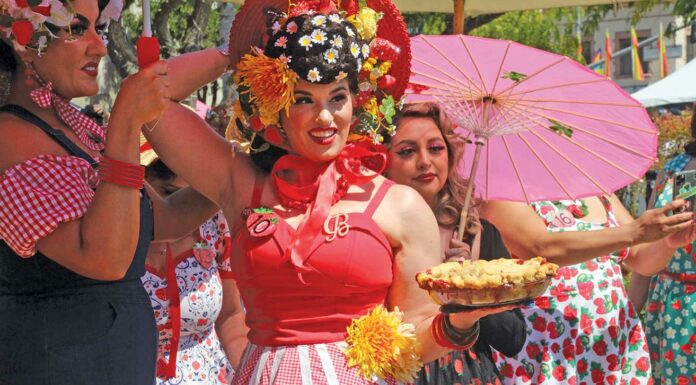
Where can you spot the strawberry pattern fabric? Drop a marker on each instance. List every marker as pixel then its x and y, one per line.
pixel 583 330
pixel 670 322
pixel 199 356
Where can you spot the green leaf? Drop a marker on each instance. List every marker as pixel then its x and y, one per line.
pixel 388 109
pixel 263 210
pixel 514 76
pixel 560 129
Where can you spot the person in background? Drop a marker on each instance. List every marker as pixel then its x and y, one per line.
pixel 184 279
pixel 584 328
pixel 671 293
pixel 423 154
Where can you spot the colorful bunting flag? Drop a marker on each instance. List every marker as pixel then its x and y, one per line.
pixel 638 73
pixel 607 49
pixel 662 49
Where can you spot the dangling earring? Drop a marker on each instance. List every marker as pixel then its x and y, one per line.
pixel 30 75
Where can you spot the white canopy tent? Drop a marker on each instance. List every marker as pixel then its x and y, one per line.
pixel 678 87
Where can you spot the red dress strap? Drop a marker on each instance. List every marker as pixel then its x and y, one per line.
pixel 258 191
pixel 377 199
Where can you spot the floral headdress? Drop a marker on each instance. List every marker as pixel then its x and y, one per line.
pixel 30 23
pixel 350 41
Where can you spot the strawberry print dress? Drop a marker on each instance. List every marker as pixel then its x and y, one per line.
pixel 189 351
pixel 670 323
pixel 583 330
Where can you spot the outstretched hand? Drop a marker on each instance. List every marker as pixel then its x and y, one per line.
pixel 144 95
pixel 466 318
pixel 656 224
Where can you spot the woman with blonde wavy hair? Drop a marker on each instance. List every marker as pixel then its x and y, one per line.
pixel 424 154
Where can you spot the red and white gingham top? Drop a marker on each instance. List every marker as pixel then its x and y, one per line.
pixel 39 194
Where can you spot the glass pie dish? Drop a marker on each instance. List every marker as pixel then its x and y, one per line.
pixel 487 283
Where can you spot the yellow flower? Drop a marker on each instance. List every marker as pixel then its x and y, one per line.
pixel 270 82
pixel 370 106
pixel 379 344
pixel 385 67
pixel 367 66
pixel 365 21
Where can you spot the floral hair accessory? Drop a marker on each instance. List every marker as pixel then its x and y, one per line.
pixel 270 84
pixel 364 42
pixel 30 23
pixel 383 346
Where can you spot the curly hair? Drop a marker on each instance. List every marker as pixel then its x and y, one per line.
pixel 304 58
pixel 450 199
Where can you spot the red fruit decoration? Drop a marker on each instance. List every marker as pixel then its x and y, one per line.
pixel 22 31
pixel 350 6
pixel 261 222
pixel 384 50
pixel 22 3
pixel 386 82
pixel 44 10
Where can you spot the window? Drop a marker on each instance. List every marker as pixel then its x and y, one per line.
pixel 624 66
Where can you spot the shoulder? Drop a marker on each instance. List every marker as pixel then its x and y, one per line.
pixel 21 141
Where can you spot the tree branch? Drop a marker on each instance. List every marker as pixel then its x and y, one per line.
pixel 196 26
pixel 477 21
pixel 161 27
pixel 121 51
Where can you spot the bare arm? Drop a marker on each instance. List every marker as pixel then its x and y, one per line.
pixel 101 244
pixel 526 236
pixel 196 153
pixel 230 325
pixel 190 71
pixel 413 230
pixel 638 290
pixel 180 213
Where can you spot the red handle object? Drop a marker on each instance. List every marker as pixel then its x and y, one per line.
pixel 148 50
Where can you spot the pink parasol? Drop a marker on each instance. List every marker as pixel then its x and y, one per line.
pixel 545 127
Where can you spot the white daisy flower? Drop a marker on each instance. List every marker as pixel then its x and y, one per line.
pixel 318 36
pixel 313 75
pixel 354 48
pixel 276 27
pixel 335 18
pixel 350 32
pixel 291 27
pixel 319 20
pixel 366 51
pixel 305 41
pixel 670 332
pixel 359 65
pixel 681 361
pixel 330 56
pixel 281 42
pixel 337 42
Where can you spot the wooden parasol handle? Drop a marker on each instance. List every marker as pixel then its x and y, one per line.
pixel 463 218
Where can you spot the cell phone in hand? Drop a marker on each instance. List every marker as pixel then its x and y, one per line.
pixel 685 188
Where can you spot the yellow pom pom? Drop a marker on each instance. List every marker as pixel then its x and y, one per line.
pixel 381 345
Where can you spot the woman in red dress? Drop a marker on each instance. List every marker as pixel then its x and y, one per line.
pixel 323 239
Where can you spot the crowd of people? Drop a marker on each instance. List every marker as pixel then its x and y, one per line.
pixel 290 259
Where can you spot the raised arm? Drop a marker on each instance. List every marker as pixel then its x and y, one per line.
pixel 180 213
pixel 191 71
pixel 100 244
pixel 526 236
pixel 196 153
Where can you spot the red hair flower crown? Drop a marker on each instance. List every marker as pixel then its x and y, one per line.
pixel 318 41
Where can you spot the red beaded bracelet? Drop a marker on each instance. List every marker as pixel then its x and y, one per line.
pixel 121 173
